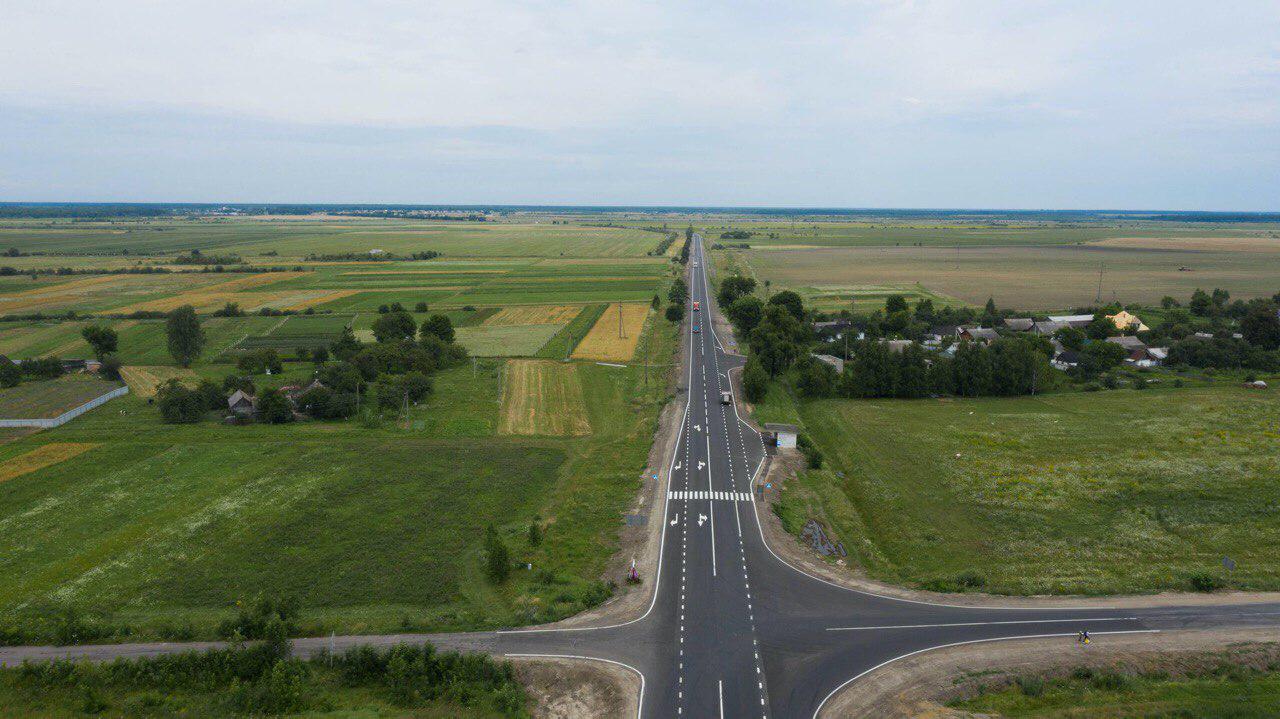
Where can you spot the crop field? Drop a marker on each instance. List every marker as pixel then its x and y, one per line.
pixel 506 340
pixel 143 381
pixel 163 528
pixel 534 315
pixel 561 346
pixel 298 237
pixel 44 399
pixel 1120 491
pixel 45 455
pixel 542 397
pixel 298 331
pixel 1033 277
pixel 800 234
pixel 615 334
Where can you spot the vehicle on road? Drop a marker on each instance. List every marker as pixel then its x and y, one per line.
pixel 696 329
pixel 726 398
pixel 697 305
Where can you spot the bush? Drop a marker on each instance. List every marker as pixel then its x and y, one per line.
pixel 674 312
pixel 110 368
pixel 10 373
pixel 260 361
pixel 1030 686
pixel 1205 582
pixel 971 580
pixel 178 404
pixel 497 557
pixel 255 618
pixel 274 407
pixel 755 381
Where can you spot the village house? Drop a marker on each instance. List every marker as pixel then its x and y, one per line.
pixel 1126 321
pixel 1019 324
pixel 241 404
pixel 985 335
pixel 832 360
pixel 1048 328
pixel 1065 360
pixel 897 346
pixel 834 329
pixel 1072 320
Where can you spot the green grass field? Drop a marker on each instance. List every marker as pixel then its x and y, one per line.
pixel 43 399
pixel 1223 691
pixel 1096 493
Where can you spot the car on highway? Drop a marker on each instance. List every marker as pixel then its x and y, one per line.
pixel 697 329
pixel 697 305
pixel 726 398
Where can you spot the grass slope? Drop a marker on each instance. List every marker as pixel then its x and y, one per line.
pixel 1120 491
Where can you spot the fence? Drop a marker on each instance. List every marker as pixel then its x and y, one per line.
pixel 68 415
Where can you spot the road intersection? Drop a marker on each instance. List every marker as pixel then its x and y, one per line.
pixel 732 630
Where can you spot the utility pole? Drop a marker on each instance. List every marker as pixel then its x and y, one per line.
pixel 620 333
pixel 1097 298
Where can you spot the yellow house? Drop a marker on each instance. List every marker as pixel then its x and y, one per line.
pixel 1124 321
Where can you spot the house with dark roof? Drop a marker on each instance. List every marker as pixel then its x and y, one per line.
pixel 1019 324
pixel 985 335
pixel 1047 328
pixel 242 404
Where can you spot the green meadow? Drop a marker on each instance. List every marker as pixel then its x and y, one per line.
pixel 1073 493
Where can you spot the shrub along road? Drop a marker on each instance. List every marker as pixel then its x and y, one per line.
pixel 732 630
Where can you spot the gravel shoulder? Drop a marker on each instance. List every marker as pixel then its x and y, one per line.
pixel 578 688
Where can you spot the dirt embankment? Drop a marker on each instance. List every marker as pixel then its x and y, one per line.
pixel 920 685
pixel 578 688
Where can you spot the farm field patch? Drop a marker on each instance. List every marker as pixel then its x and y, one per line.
pixel 1032 278
pixel 506 340
pixel 534 315
pixel 615 334
pixel 1092 493
pixel 143 381
pixel 542 397
pixel 45 399
pixel 46 455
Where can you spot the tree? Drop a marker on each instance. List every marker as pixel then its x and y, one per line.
pixel 655 303
pixel 102 340
pixel 734 287
pixel 792 302
pixel 755 381
pixel 497 558
pixel 442 354
pixel 972 370
pixel 924 311
pixel 211 395
pixel 110 368
pixel 178 404
pixel 1098 357
pixel 913 374
pixel 233 382
pixel 1261 327
pixel 319 354
pixel 679 291
pixel 745 313
pixel 815 378
pixel 10 373
pixel 341 377
pixel 185 337
pixel 1220 297
pixel 274 408
pixel 871 372
pixel 346 346
pixel 535 533
pixel 259 361
pixel 1200 303
pixel 421 307
pixel 230 309
pixel 440 326
pixel 895 303
pixel 1168 302
pixel 1100 328
pixel 675 312
pixel 394 326
pixel 1072 338
pixel 1017 366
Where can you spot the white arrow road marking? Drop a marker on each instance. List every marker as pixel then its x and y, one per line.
pixel 674 520
pixel 678 466
pixel 697 428
pixel 701 518
pixel 701 465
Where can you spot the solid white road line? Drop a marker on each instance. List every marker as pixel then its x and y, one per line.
pixel 712 511
pixel 720 689
pixel 985 624
pixel 818 711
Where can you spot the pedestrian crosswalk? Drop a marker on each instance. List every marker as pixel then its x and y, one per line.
pixel 710 494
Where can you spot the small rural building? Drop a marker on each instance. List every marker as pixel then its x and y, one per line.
pixel 1130 343
pixel 942 332
pixel 834 329
pixel 832 360
pixel 1124 321
pixel 1048 328
pixel 782 436
pixel 1072 320
pixel 1019 324
pixel 1149 356
pixel 241 404
pixel 897 346
pixel 985 335
pixel 1065 360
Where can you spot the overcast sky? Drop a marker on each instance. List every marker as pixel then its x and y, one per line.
pixel 1127 105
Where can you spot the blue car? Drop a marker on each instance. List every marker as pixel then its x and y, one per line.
pixel 697 329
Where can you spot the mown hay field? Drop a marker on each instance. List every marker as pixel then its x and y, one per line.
pixel 1103 492
pixel 614 336
pixel 1037 277
pixel 45 399
pixel 542 397
pixel 143 381
pixel 506 341
pixel 534 315
pixel 46 455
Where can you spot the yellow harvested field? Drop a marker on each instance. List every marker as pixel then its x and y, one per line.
pixel 451 271
pixel 535 315
pixel 214 296
pixel 605 342
pixel 42 295
pixel 46 455
pixel 541 397
pixel 143 381
pixel 319 299
pixel 251 281
pixel 1194 244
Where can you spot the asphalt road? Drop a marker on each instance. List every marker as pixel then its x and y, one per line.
pixel 733 631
